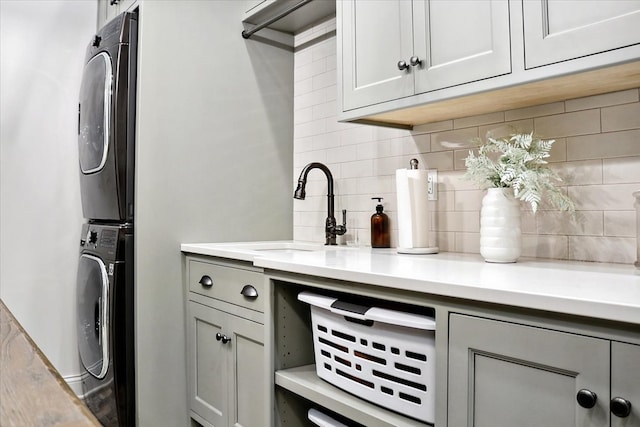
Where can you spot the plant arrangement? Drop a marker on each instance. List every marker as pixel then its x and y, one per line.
pixel 518 162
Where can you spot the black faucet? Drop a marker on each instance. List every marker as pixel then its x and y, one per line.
pixel 331 229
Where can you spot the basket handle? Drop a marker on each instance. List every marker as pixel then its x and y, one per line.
pixel 401 318
pixel 375 314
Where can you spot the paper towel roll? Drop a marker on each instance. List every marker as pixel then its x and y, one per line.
pixel 413 211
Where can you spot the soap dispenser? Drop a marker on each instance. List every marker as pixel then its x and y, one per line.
pixel 380 234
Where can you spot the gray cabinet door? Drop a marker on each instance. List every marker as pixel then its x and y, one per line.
pixel 207 364
pixel 506 374
pixel 625 381
pixel 460 42
pixel 248 382
pixel 560 30
pixel 375 35
pixel 226 377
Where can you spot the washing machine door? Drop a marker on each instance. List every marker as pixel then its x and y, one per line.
pixel 95 108
pixel 93 315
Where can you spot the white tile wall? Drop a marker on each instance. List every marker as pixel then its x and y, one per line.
pixel 597 152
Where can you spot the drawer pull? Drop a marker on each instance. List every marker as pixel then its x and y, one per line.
pixel 206 281
pixel 249 291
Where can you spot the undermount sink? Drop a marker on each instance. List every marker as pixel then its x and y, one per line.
pixel 247 251
pixel 286 246
pixel 284 250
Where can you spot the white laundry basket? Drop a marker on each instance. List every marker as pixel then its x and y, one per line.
pixel 384 356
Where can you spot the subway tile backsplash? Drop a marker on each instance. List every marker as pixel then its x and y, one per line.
pixel 597 152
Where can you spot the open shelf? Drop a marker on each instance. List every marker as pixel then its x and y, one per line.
pixel 304 382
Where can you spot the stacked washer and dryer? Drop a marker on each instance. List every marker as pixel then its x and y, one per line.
pixel 105 285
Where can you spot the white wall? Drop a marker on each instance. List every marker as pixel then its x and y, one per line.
pixel 42 47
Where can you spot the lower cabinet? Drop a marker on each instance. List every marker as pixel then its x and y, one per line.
pixel 227 378
pixel 508 374
pixel 226 373
pixel 251 361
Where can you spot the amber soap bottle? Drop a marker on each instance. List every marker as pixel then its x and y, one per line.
pixel 380 234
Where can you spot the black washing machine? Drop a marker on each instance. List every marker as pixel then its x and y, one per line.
pixel 106 121
pixel 105 298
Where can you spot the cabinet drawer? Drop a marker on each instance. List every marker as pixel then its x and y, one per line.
pixel 227 284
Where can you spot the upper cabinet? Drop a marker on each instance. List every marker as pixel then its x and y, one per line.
pixel 424 45
pixel 562 30
pixel 408 62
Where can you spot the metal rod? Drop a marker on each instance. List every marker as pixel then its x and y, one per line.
pixel 246 34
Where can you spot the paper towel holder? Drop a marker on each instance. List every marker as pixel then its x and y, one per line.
pixel 422 250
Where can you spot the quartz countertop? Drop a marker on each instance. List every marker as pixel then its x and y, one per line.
pixel 597 290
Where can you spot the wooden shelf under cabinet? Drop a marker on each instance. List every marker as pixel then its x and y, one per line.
pixel 304 382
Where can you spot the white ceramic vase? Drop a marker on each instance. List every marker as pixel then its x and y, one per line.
pixel 500 234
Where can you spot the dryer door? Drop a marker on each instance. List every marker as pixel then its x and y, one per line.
pixel 93 315
pixel 95 108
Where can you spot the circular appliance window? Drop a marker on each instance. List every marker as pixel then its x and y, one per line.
pixel 95 107
pixel 93 315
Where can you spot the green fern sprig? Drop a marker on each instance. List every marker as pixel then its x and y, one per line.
pixel 518 162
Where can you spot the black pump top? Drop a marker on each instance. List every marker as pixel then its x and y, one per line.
pixel 379 207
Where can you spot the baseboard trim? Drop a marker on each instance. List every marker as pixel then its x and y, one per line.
pixel 75 383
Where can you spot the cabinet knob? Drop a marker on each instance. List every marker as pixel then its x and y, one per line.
pixel 414 60
pixel 220 337
pixel 402 66
pixel 113 2
pixel 249 291
pixel 206 281
pixel 586 398
pixel 620 407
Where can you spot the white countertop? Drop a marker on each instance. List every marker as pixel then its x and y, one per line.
pixel 604 291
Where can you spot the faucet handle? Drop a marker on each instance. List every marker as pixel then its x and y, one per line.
pixel 342 229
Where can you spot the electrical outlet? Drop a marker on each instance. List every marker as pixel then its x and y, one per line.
pixel 432 184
